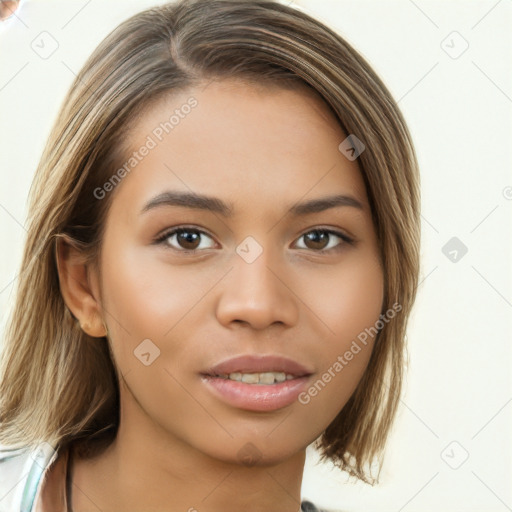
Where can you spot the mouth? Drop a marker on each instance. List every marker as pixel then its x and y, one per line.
pixel 260 378
pixel 252 368
pixel 257 383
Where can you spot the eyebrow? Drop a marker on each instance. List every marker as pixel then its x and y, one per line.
pixel 216 205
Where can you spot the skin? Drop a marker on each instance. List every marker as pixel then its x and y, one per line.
pixel 7 9
pixel 178 446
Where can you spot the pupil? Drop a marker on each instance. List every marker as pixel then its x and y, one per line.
pixel 314 236
pixel 188 237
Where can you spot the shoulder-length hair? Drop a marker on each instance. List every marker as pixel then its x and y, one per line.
pixel 58 384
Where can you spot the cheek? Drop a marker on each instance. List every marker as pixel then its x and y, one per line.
pixel 347 298
pixel 349 307
pixel 145 299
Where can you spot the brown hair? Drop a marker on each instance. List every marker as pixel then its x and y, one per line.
pixel 58 384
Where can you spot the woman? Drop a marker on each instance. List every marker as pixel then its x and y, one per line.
pixel 222 256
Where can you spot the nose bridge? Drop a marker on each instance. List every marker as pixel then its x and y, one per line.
pixel 254 292
pixel 252 265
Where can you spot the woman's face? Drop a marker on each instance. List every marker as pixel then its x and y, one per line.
pixel 255 272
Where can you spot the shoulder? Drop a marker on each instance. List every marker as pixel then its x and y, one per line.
pixel 21 470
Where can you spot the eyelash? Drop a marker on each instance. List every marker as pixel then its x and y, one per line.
pixel 166 235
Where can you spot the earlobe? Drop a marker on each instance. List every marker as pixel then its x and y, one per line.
pixel 75 286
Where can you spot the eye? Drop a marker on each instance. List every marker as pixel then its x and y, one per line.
pixel 188 239
pixel 321 240
pixel 184 239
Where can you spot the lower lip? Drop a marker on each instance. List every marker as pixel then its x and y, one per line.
pixel 256 397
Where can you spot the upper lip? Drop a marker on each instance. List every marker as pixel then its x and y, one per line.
pixel 258 364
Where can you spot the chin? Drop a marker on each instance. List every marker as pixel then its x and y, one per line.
pixel 255 452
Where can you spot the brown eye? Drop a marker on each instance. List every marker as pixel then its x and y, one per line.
pixel 188 239
pixel 320 240
pixel 184 239
pixel 317 239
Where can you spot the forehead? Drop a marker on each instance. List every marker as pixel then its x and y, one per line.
pixel 242 141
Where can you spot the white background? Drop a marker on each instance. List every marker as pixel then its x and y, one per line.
pixel 458 397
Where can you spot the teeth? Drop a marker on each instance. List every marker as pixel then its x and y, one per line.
pixel 267 378
pixel 259 378
pixel 250 378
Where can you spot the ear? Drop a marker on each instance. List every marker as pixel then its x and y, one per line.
pixel 79 287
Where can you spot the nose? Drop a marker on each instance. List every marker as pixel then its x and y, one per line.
pixel 257 293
